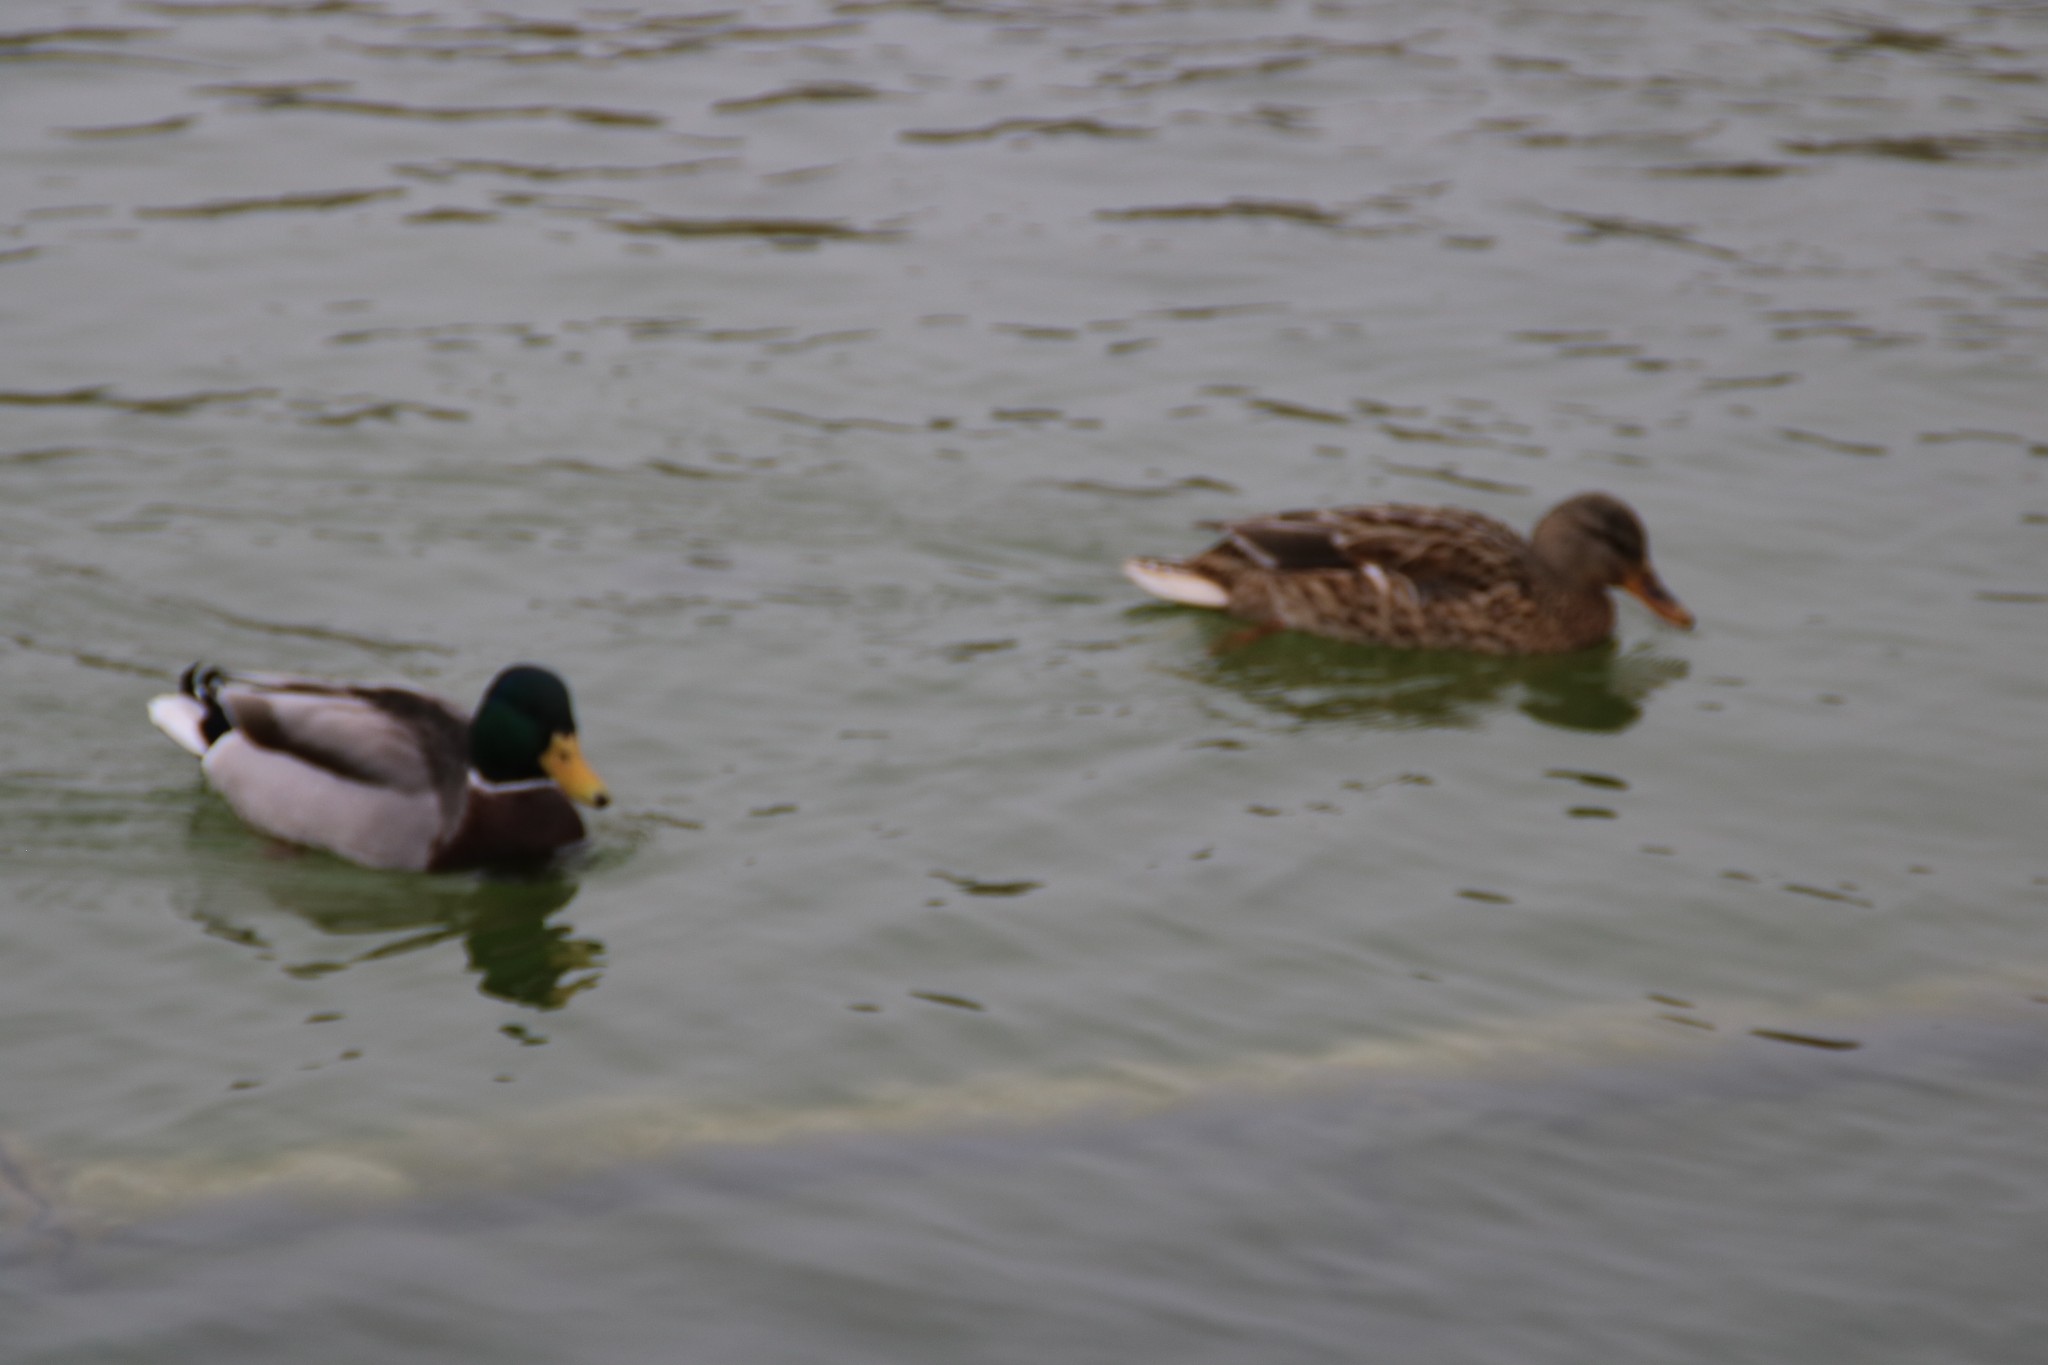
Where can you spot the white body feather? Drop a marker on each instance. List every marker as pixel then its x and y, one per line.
pixel 180 717
pixel 1176 584
pixel 302 804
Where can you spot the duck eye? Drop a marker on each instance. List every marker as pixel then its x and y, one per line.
pixel 1625 540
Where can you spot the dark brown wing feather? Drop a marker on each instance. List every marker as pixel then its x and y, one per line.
pixel 1286 545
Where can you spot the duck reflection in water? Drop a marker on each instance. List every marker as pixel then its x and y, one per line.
pixel 515 946
pixel 523 958
pixel 1315 680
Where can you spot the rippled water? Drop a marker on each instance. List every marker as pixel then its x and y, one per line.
pixel 976 966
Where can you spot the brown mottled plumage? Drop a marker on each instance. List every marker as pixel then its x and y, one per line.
pixel 1425 577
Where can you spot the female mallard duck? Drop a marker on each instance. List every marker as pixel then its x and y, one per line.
pixel 1425 577
pixel 387 776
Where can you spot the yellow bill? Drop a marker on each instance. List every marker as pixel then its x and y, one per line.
pixel 564 762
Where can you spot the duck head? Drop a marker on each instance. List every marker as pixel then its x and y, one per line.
pixel 524 730
pixel 1596 540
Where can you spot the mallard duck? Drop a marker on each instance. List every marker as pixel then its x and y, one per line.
pixel 1425 577
pixel 387 776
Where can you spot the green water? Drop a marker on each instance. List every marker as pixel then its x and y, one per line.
pixel 974 966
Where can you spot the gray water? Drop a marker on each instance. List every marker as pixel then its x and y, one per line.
pixel 976 966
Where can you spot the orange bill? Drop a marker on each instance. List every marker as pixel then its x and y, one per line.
pixel 564 762
pixel 1643 585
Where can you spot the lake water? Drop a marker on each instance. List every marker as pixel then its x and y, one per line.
pixel 976 966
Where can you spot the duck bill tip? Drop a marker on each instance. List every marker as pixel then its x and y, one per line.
pixel 1645 587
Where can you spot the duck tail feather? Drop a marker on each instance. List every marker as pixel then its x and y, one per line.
pixel 182 716
pixel 1176 582
pixel 192 715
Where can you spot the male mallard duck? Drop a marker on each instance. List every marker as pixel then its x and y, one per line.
pixel 387 776
pixel 1425 577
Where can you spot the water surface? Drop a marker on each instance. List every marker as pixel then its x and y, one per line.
pixel 976 965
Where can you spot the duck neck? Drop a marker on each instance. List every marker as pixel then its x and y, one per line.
pixel 1575 614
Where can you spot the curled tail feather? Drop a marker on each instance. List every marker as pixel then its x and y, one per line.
pixel 191 716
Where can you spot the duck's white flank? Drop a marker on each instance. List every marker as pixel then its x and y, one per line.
pixel 1175 584
pixel 180 717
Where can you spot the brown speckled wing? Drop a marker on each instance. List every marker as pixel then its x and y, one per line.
pixel 1444 552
